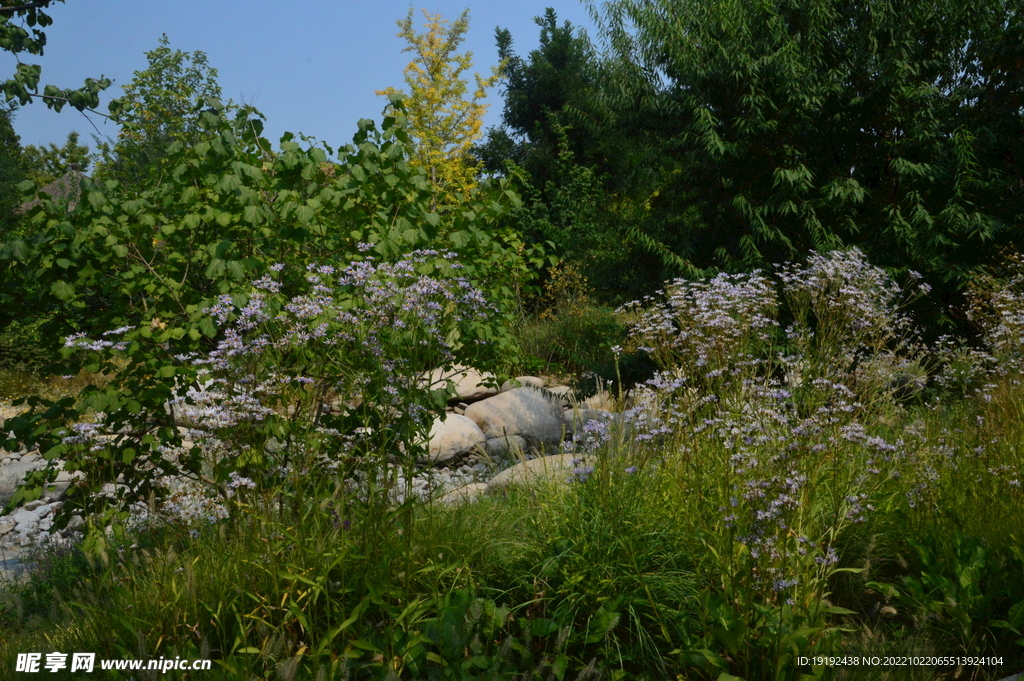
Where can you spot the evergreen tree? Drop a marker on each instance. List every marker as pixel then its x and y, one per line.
pixel 547 98
pixel 583 180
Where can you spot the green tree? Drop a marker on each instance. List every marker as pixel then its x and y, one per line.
pixel 789 125
pixel 45 164
pixel 445 121
pixel 27 37
pixel 162 105
pixel 12 172
pixel 547 97
pixel 579 180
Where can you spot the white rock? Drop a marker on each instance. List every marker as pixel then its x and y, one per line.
pixel 13 475
pixel 525 412
pixel 500 447
pixel 22 516
pixel 557 468
pixel 562 393
pixel 463 494
pixel 27 528
pixel 59 487
pixel 455 435
pixel 6 526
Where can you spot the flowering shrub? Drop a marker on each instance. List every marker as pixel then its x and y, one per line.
pixel 783 469
pixel 848 328
pixel 997 307
pixel 704 329
pixel 848 324
pixel 321 377
pixel 359 338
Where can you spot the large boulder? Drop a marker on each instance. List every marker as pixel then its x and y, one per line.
pixel 525 412
pixel 508 446
pixel 468 382
pixel 563 393
pixel 560 468
pixel 454 436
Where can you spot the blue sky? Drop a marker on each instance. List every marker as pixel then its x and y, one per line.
pixel 310 67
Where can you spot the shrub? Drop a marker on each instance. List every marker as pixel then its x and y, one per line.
pixel 357 338
pixel 230 207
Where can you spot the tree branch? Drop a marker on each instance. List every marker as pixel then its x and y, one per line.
pixel 65 99
pixel 29 5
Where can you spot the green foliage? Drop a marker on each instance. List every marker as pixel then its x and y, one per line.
pixel 543 94
pixel 43 165
pixel 635 573
pixel 797 126
pixel 161 106
pixel 571 334
pixel 227 209
pixel 12 171
pixel 22 347
pixel 29 38
pixel 586 181
pixel 965 591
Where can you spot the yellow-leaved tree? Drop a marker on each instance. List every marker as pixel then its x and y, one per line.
pixel 444 118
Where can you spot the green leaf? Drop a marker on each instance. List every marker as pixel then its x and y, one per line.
pixel 253 215
pixel 229 184
pixel 62 290
pixel 304 214
pixel 215 270
pixel 207 326
pixel 366 645
pixel 543 627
